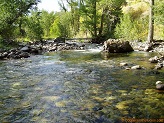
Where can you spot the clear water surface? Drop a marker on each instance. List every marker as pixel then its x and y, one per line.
pixel 79 87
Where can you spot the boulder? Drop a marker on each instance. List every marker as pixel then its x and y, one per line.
pixel 117 46
pixel 158 66
pixel 136 67
pixel 25 49
pixel 34 48
pixel 159 85
pixel 3 55
pixel 148 47
pixel 16 54
pixel 24 55
pixel 154 59
pixel 1 50
pixel 159 61
pixel 60 40
pixel 123 64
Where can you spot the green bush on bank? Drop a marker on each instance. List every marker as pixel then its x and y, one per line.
pixel 130 29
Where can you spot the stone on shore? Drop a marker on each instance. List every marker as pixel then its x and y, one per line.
pixel 25 49
pixel 3 55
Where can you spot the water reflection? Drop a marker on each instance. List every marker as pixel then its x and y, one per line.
pixel 74 86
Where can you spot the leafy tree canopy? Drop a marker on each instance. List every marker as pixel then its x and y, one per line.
pixel 11 11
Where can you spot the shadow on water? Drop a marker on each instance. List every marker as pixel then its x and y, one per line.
pixel 79 87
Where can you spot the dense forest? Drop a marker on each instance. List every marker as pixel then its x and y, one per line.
pixel 20 20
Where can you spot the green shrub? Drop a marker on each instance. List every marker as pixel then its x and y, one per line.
pixel 131 29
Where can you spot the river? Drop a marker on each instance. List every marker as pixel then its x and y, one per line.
pixel 85 86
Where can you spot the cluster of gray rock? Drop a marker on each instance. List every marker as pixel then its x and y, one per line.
pixel 54 46
pixel 14 53
pixel 157 45
pixel 119 46
pixel 25 50
pixel 127 67
pixel 111 46
pixel 159 62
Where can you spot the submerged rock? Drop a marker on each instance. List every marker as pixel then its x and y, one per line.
pixel 97 108
pixel 159 61
pixel 123 104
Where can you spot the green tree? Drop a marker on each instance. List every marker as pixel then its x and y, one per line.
pixel 134 22
pixel 151 22
pixel 47 19
pixel 98 17
pixel 75 14
pixel 131 29
pixel 33 28
pixel 110 12
pixel 56 29
pixel 88 11
pixel 11 12
pixel 158 11
pixel 159 19
pixel 61 26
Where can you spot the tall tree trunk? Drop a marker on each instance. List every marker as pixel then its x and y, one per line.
pixel 95 19
pixel 151 23
pixel 101 23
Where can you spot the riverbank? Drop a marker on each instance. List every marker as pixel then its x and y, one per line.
pixel 26 50
pixel 156 46
pixel 41 47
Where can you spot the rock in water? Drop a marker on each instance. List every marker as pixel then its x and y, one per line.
pixel 158 66
pixel 123 64
pixel 154 59
pixel 159 85
pixel 136 67
pixel 117 46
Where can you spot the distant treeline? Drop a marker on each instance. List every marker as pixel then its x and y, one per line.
pixel 98 19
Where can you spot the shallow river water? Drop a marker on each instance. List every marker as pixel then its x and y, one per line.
pixel 80 87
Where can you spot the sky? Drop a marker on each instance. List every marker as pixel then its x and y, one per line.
pixel 49 5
